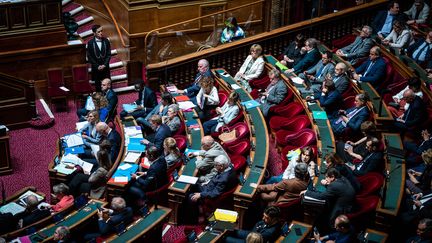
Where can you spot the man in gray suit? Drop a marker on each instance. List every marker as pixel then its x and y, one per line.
pixel 274 94
pixel 359 48
pixel 318 73
pixel 340 78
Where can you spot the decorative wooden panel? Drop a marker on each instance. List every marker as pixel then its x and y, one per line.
pixel 4 22
pixel 17 17
pixel 53 13
pixel 35 15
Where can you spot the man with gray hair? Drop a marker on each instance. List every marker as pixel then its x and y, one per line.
pixel 112 136
pixel 287 190
pixel 62 234
pixel 359 48
pixel 224 180
pixel 32 213
pixel 119 216
pixel 194 88
pixel 310 58
pixel 210 149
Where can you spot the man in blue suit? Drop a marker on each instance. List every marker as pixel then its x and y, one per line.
pixel 421 51
pixel 373 70
pixel 311 57
pixel 383 21
pixel 155 177
pixel 145 103
pixel 112 136
pixel 373 161
pixel 162 131
pixel 194 88
pixel 353 117
pixel 317 74
pixel 330 99
pixel 119 216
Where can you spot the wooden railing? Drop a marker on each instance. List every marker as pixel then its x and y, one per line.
pixel 114 20
pixel 181 70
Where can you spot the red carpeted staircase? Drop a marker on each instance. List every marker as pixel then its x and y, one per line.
pixel 85 21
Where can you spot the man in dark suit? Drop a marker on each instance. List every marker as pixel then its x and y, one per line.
pixel 311 57
pixel 383 21
pixel 193 89
pixel 421 51
pixel 340 78
pixel 112 136
pixel 373 70
pixel 32 213
pixel 414 114
pixel 317 74
pixel 414 150
pixel 330 99
pixel 372 162
pixel 353 117
pixel 162 131
pixel 145 103
pixel 99 55
pixel 111 96
pixel 339 195
pixel 119 216
pixel 154 178
pixel 359 48
pixel 269 228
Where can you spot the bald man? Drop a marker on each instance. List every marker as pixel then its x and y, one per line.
pixel 415 109
pixel 373 70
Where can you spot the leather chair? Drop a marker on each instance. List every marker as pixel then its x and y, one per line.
pixel 181 142
pixel 238 161
pixel 55 79
pixel 348 102
pixel 160 195
pixel 365 212
pixel 371 183
pixel 181 130
pixel 223 97
pixel 242 131
pixel 234 121
pixel 283 123
pixel 290 110
pixel 260 83
pixel 80 77
pixel 240 148
pixel 296 125
pixel 343 41
pixel 389 79
pixel 285 101
pixel 349 91
pixel 290 210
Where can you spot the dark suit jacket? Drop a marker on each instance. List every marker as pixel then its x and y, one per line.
pixel 355 122
pixel 112 225
pixel 150 100
pixel 415 113
pixel 362 47
pixel 375 74
pixel 194 88
pixel 339 196
pixel 161 133
pixel 98 57
pixel 293 53
pixel 331 102
pixel 115 140
pixel 219 184
pixel 371 163
pixel 341 83
pixel 380 18
pixel 270 233
pixel 33 216
pixel 156 176
pixel 112 98
pixel 308 61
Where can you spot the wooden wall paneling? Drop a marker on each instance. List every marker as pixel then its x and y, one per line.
pixel 53 13
pixel 4 21
pixel 17 17
pixel 35 15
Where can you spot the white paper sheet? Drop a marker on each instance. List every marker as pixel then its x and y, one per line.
pixel 184 105
pixel 80 125
pixel 297 80
pixel 187 179
pixel 132 157
pixel 73 140
pixel 121 179
pixel 124 166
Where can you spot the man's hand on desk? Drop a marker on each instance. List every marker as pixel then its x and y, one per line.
pixel 356 76
pixel 180 91
pixel 145 141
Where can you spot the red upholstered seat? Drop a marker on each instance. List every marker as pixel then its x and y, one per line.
pixel 223 97
pixel 370 184
pixel 160 194
pixel 181 142
pixel 349 91
pixel 55 79
pixel 305 137
pixel 283 103
pixel 81 79
pixel 285 151
pixel 223 201
pixel 260 83
pixel 181 130
pixel 343 41
pixel 291 124
pixel 290 110
pixel 239 148
pixel 366 208
pixel 242 131
pixel 238 161
pixel 290 128
pixel 388 76
pixel 348 102
pixel 290 210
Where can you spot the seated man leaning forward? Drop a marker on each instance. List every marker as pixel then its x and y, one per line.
pixel 275 92
pixel 210 149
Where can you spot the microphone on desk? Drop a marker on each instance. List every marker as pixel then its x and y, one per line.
pixel 384 190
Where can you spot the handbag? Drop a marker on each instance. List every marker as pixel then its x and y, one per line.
pixel 227 135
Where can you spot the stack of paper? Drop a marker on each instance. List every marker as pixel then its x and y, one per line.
pixel 62 168
pixel 186 105
pixel 297 80
pixel 73 159
pixel 132 131
pixel 135 145
pixel 188 179
pixel 74 139
pixel 172 89
pixel 13 208
pixel 132 157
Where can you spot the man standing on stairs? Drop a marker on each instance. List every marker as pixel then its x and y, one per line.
pixel 99 55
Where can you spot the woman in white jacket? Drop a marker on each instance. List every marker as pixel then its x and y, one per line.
pixel 252 67
pixel 400 37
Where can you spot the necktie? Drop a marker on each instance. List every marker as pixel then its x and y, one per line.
pixel 319 73
pixel 203 100
pixel 416 58
pixel 354 48
pixel 369 67
pixel 142 100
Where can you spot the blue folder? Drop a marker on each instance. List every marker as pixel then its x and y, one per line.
pixel 75 150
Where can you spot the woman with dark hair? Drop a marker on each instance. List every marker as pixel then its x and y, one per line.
pixel 232 31
pixel 420 180
pixel 306 156
pixel 293 52
pixel 226 114
pixel 95 183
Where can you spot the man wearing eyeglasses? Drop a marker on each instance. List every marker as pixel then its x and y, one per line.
pixel 359 48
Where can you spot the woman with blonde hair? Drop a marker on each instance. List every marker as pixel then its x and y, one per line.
pixel 420 180
pixel 226 114
pixel 254 237
pixel 172 153
pixel 252 67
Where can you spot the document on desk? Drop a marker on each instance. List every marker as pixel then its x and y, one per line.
pixel 250 104
pixel 121 179
pixel 132 131
pixel 73 159
pixel 188 179
pixel 297 80
pixel 13 208
pixel 22 198
pixel 124 166
pixel 185 105
pixel 62 168
pixel 319 115
pixel 235 86
pixel 74 139
pixel 132 157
